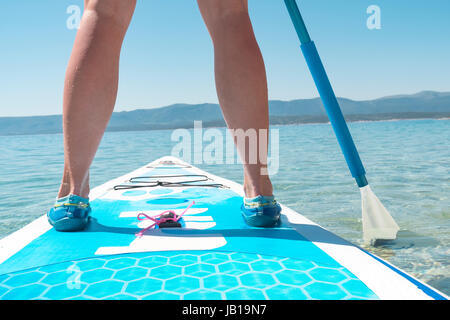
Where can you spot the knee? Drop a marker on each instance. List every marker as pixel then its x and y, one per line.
pixel 219 13
pixel 117 11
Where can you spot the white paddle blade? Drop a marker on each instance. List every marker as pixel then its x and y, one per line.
pixel 377 222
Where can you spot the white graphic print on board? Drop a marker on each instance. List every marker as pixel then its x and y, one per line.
pixel 157 240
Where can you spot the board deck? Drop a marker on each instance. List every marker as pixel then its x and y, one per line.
pixel 215 256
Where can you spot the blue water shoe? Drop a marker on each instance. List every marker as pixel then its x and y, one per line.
pixel 70 213
pixel 261 211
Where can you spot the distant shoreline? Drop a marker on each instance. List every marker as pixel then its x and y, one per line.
pixel 274 122
pixel 422 105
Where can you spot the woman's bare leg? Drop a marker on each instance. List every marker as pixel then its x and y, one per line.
pixel 90 87
pixel 240 81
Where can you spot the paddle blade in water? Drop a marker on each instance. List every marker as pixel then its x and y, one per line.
pixel 377 222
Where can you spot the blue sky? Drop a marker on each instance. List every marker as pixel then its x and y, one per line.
pixel 167 55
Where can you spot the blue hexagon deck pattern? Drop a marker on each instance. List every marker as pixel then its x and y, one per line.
pixel 197 275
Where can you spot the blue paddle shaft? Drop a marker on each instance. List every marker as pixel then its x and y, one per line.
pixel 327 95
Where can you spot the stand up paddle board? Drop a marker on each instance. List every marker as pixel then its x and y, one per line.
pixel 210 254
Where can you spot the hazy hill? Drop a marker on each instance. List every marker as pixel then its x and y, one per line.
pixel 426 104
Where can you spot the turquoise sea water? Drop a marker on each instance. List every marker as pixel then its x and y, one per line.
pixel 408 165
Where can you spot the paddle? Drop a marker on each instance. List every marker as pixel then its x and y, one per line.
pixel 377 223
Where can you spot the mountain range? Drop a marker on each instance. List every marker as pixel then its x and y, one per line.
pixel 425 104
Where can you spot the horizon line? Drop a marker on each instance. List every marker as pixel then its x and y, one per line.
pixel 216 103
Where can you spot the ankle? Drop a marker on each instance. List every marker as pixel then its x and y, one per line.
pixel 64 190
pixel 261 187
pixel 68 189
